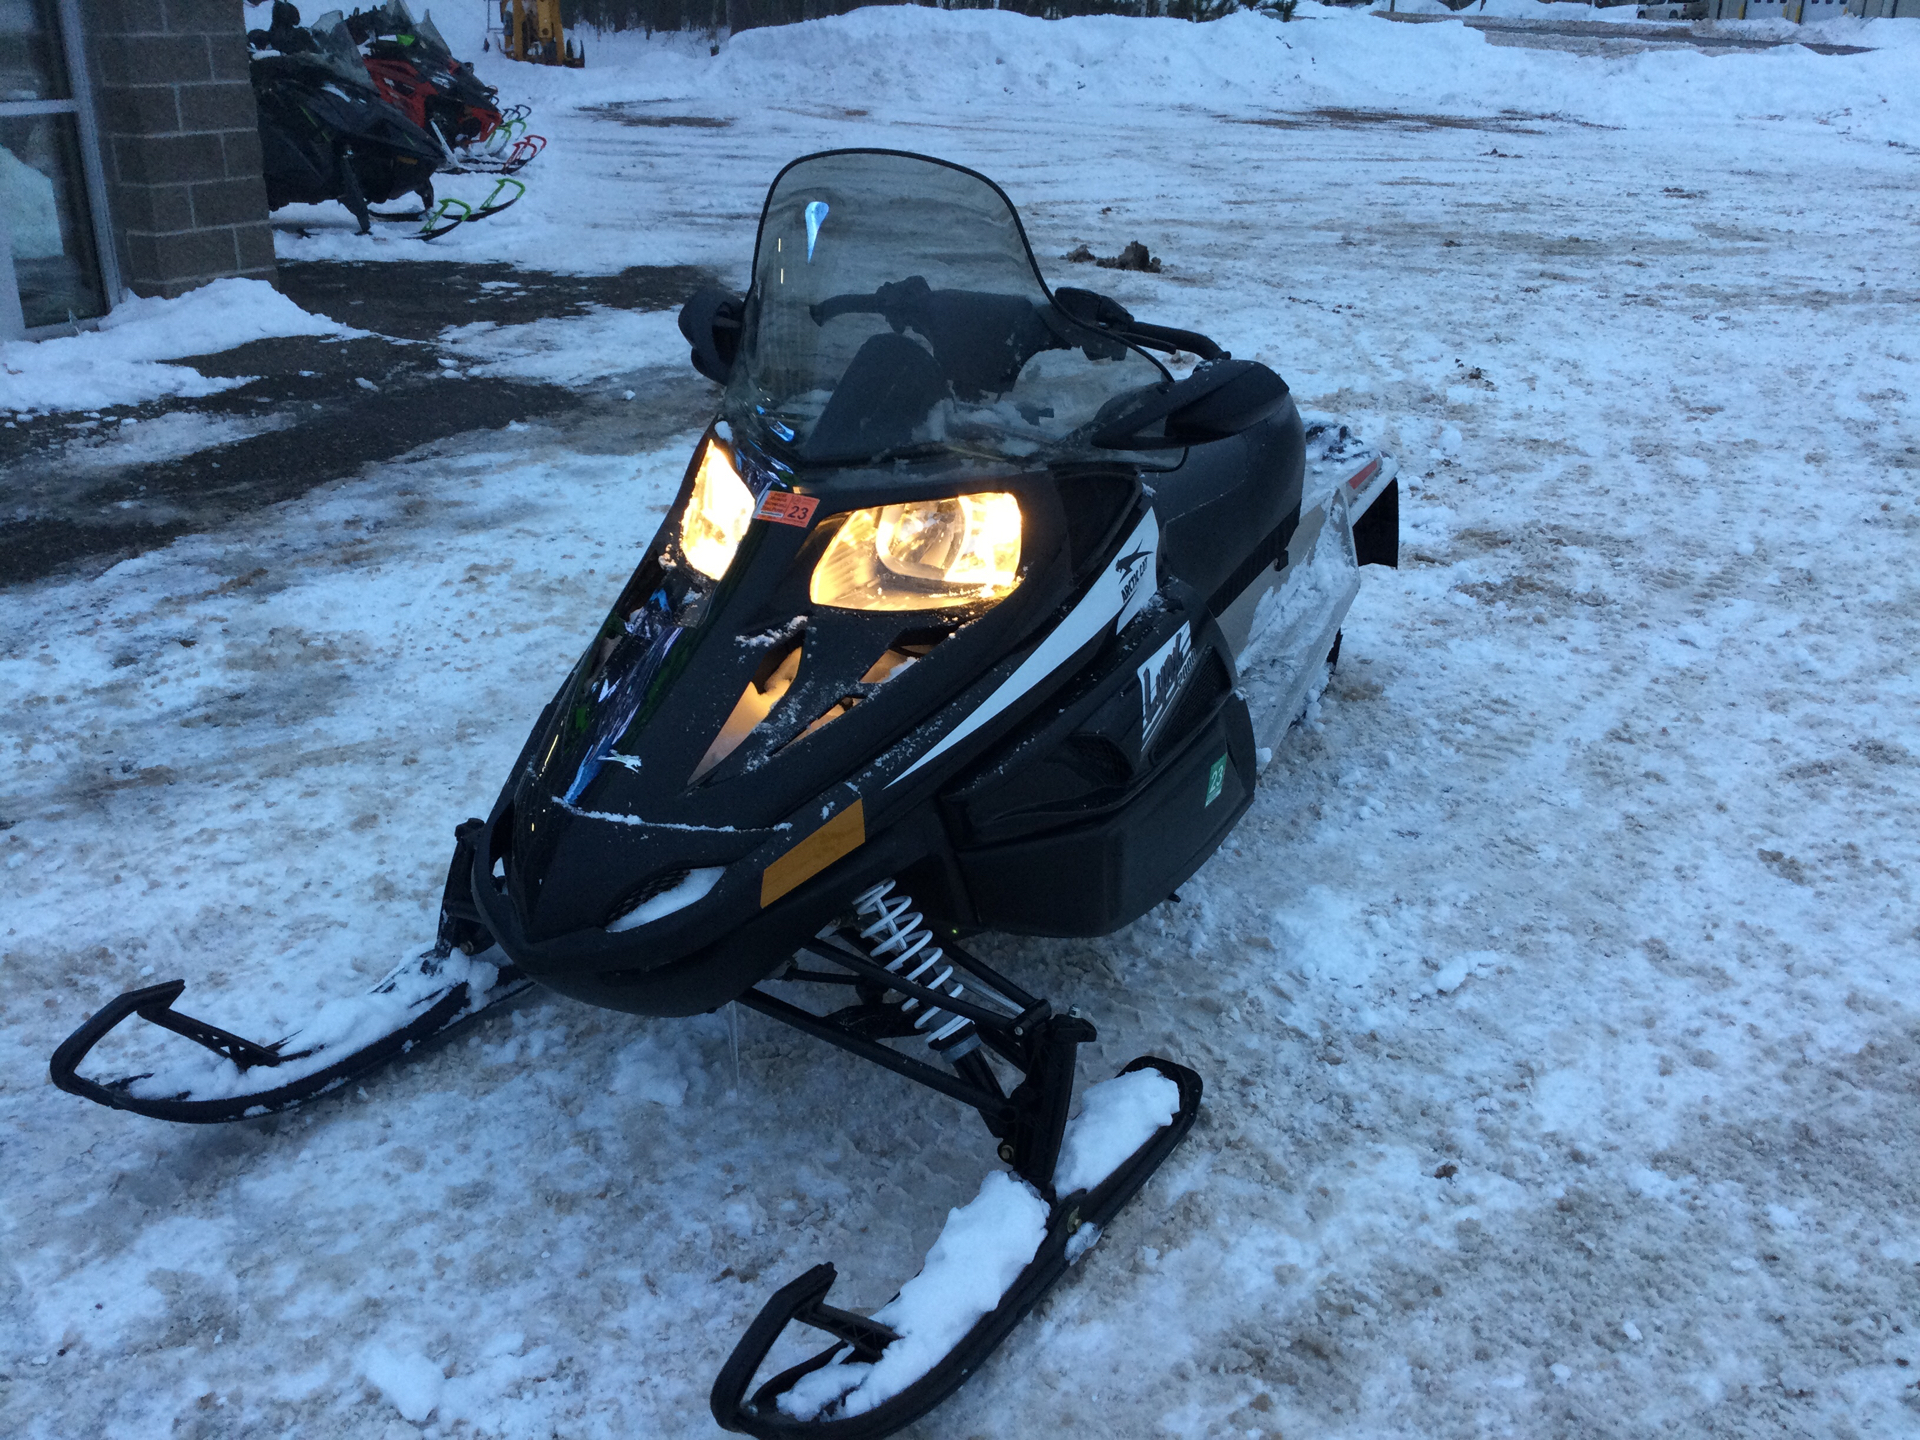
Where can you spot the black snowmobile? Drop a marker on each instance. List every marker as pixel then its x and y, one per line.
pixel 325 133
pixel 969 616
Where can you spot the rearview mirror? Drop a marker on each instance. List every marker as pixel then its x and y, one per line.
pixel 711 322
pixel 1219 399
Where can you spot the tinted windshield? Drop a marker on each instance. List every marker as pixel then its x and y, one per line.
pixel 336 48
pixel 430 36
pixel 896 309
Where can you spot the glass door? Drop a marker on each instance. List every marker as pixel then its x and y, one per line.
pixel 56 263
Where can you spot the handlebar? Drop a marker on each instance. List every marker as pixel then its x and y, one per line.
pixel 899 301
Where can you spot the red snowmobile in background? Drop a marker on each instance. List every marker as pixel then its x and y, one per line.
pixel 414 69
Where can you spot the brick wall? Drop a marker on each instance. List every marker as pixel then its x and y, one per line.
pixel 179 139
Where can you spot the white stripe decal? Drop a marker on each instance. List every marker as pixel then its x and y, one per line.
pixel 1123 591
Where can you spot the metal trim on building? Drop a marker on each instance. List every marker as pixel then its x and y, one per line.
pixel 80 104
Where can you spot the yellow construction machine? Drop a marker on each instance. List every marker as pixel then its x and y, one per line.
pixel 531 30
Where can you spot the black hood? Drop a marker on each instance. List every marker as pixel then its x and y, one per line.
pixel 725 718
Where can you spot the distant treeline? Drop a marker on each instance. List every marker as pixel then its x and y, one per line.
pixel 737 15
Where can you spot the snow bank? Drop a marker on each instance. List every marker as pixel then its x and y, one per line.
pixel 119 363
pixel 969 59
pixel 869 77
pixel 1555 10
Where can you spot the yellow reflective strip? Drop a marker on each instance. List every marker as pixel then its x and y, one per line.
pixel 842 835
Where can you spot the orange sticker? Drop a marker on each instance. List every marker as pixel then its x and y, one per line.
pixel 783 507
pixel 1364 473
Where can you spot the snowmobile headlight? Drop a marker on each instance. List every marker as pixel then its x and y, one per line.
pixel 718 513
pixel 923 555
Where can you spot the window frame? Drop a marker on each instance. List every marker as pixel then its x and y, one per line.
pixel 80 105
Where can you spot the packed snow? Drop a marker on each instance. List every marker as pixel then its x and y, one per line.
pixel 982 1249
pixel 1554 999
pixel 1116 1118
pixel 121 361
pixel 338 1029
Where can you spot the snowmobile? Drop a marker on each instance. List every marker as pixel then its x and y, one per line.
pixel 537 32
pixel 414 68
pixel 969 616
pixel 325 133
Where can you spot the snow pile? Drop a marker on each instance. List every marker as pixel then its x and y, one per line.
pixel 120 362
pixel 412 1383
pixel 1116 1118
pixel 969 59
pixel 1543 10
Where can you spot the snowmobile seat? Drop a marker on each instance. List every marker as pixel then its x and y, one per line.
pixel 888 389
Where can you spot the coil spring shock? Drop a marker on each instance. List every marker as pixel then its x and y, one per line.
pixel 896 937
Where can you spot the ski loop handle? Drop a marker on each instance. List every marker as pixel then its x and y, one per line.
pixel 803 1300
pixel 490 207
pixel 432 229
pixel 153 1004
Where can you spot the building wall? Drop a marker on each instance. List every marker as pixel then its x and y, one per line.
pixel 180 142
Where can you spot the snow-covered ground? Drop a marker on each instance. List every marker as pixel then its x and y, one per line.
pixel 122 362
pixel 1555 999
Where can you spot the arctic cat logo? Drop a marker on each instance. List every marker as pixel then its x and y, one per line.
pixel 1160 680
pixel 1133 569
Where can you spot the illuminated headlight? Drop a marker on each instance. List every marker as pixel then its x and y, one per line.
pixel 718 513
pixel 924 555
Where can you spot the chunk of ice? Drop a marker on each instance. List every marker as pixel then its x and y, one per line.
pixel 411 1382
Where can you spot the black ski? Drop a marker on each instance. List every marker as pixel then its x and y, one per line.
pixel 1073 1225
pixel 292 1070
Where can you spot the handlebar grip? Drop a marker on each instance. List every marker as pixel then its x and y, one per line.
pixel 834 306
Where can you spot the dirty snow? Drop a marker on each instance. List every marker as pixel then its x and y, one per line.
pixel 1554 998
